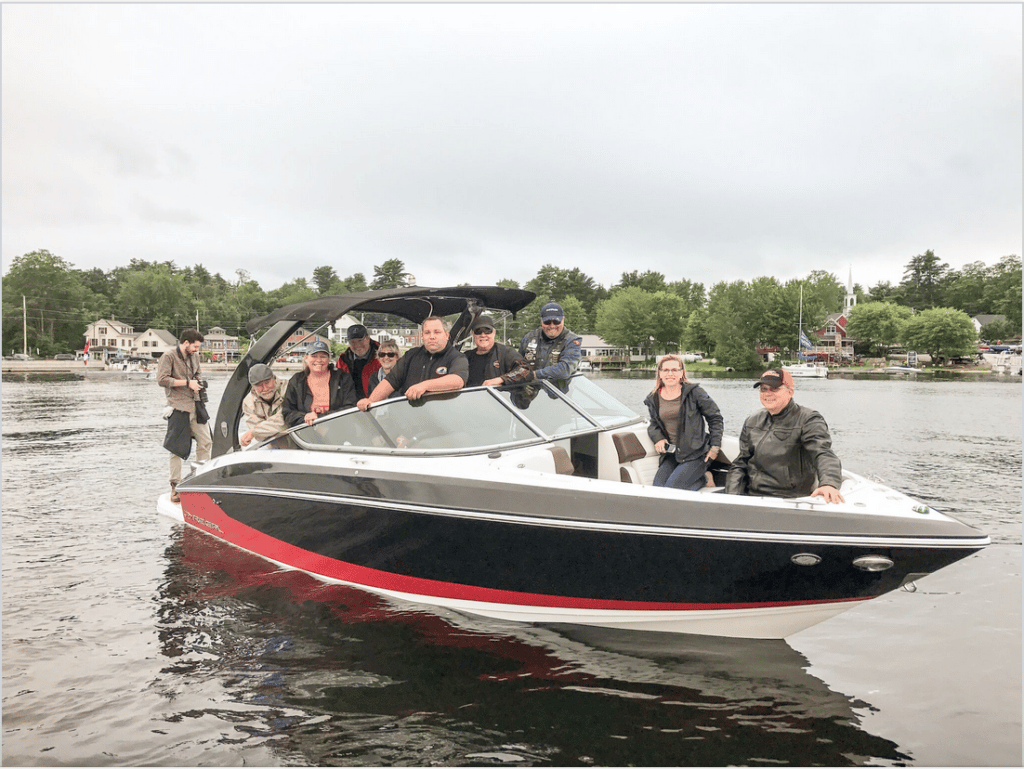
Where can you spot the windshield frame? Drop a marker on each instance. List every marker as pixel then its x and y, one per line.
pixel 524 431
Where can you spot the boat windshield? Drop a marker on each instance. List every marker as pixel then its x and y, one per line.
pixel 468 421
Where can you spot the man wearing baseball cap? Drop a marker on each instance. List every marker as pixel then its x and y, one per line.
pixel 263 407
pixel 785 449
pixel 360 359
pixel 552 351
pixel 491 362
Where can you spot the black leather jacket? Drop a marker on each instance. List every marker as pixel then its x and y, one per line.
pixel 786 455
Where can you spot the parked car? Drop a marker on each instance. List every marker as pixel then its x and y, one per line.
pixel 18 356
pixel 64 356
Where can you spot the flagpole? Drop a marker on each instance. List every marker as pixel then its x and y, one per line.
pixel 800 324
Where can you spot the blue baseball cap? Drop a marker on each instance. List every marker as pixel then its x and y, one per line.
pixel 552 311
pixel 318 346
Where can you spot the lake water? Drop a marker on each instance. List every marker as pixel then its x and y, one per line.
pixel 130 640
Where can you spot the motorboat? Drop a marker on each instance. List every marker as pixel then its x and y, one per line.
pixel 901 370
pixel 122 368
pixel 535 504
pixel 808 369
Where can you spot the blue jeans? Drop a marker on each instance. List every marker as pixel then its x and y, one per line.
pixel 688 475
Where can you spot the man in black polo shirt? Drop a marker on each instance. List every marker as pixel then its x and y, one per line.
pixel 435 367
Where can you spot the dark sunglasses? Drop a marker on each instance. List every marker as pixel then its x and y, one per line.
pixel 387 355
pixel 483 330
pixel 552 322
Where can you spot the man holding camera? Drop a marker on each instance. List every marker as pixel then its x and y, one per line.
pixel 179 373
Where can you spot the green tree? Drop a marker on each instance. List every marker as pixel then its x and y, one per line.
pixel 691 293
pixel 154 297
pixel 923 280
pixel 559 284
pixel 697 335
pixel 941 332
pixel 1003 290
pixel 391 274
pixel 290 293
pixel 649 281
pixel 965 288
pixel 626 319
pixel 324 277
pixel 735 337
pixel 877 325
pixel 56 308
pixel 996 331
pixel 353 284
pixel 884 291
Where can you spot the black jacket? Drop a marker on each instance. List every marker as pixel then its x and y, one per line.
pixel 298 398
pixel 501 360
pixel 786 455
pixel 696 407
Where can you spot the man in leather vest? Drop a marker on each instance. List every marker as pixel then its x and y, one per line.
pixel 552 351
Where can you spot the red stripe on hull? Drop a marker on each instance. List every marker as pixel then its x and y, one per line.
pixel 199 510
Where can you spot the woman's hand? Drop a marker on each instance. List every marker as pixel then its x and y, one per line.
pixel 712 453
pixel 310 418
pixel 660 446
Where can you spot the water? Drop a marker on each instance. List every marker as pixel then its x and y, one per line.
pixel 130 640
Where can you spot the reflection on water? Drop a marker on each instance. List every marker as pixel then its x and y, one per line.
pixel 330 674
pixel 128 640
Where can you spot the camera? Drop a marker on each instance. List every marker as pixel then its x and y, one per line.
pixel 670 448
pixel 204 396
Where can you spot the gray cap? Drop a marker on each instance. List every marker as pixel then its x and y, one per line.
pixel 260 372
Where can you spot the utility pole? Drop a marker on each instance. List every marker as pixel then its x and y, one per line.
pixel 24 325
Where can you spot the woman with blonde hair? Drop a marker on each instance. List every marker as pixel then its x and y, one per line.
pixel 388 355
pixel 686 427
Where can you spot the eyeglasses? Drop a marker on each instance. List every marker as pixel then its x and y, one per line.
pixel 387 355
pixel 483 330
pixel 671 371
pixel 551 322
pixel 769 388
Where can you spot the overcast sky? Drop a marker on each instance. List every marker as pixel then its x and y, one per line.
pixel 479 142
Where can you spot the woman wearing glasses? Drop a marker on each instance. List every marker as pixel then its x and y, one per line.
pixel 686 427
pixel 388 355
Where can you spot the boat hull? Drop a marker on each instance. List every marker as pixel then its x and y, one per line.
pixel 571 568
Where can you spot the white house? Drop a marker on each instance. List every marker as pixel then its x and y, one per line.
pixel 984 320
pixel 109 338
pixel 154 342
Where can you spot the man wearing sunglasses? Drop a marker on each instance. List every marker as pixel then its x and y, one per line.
pixel 552 351
pixel 785 449
pixel 490 362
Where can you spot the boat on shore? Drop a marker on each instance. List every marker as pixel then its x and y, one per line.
pixel 902 370
pixel 808 369
pixel 127 368
pixel 535 504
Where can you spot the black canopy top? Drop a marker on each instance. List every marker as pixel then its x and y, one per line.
pixel 413 303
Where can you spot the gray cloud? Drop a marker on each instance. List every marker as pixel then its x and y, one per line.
pixel 478 142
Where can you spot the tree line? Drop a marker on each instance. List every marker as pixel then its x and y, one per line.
pixel 644 310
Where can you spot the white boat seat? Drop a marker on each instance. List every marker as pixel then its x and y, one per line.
pixel 563 464
pixel 634 464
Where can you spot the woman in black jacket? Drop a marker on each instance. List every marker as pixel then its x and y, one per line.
pixel 679 410
pixel 318 389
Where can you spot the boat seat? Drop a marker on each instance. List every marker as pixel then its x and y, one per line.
pixel 634 464
pixel 563 464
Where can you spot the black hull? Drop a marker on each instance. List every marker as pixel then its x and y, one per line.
pixel 450 556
